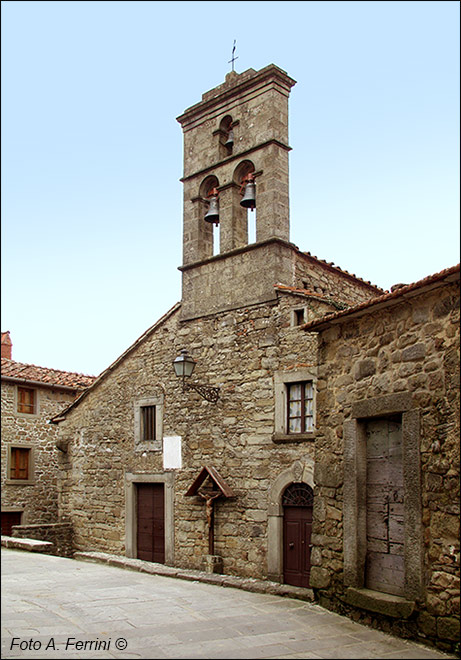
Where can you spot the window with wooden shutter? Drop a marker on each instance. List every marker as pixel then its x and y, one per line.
pixel 300 407
pixel 26 400
pixel 19 463
pixel 147 423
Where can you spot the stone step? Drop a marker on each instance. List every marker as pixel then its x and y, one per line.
pixel 31 545
pixel 247 584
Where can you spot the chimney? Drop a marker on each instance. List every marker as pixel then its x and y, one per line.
pixel 7 345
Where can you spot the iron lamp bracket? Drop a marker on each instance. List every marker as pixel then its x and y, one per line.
pixel 206 391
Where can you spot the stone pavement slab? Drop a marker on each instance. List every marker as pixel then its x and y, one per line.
pixel 53 607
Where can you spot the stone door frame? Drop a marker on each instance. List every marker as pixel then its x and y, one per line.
pixel 298 472
pixel 131 522
pixel 355 490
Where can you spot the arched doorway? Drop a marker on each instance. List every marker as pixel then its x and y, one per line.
pixel 297 502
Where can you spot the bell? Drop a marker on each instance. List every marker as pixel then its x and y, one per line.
pixel 249 196
pixel 230 139
pixel 212 215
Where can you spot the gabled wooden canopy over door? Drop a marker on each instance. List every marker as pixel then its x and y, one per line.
pixel 151 522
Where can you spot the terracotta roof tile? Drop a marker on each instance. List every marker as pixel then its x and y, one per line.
pixel 30 372
pixel 328 300
pixel 304 292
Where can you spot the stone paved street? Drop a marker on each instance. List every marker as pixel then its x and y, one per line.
pixel 86 610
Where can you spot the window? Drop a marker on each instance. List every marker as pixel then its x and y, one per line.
pixel 147 423
pixel 300 407
pixel 20 464
pixel 295 393
pixel 299 316
pixel 26 400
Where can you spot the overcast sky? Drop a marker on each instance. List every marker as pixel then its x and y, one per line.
pixel 92 152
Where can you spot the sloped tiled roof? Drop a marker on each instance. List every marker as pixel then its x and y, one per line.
pixel 404 291
pixel 299 291
pixel 32 373
pixel 307 293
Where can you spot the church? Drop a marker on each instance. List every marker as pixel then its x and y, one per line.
pixel 286 420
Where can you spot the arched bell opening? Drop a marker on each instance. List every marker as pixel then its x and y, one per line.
pixel 244 177
pixel 297 504
pixel 209 222
pixel 226 136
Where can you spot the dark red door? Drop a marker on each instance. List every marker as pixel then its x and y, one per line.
pixel 151 522
pixel 10 518
pixel 297 528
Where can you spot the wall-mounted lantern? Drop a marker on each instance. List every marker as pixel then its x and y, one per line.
pixel 184 366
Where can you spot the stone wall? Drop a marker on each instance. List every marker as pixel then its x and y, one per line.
pixel 405 357
pixel 235 279
pixel 38 500
pixel 238 351
pixel 325 279
pixel 59 534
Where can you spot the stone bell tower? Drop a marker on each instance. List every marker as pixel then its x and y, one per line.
pixel 237 133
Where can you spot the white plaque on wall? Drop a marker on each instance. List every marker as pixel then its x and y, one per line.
pixel 172 453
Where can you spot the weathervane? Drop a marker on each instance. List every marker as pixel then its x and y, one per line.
pixel 233 58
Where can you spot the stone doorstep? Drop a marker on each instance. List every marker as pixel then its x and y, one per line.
pixel 247 584
pixel 32 545
pixel 382 603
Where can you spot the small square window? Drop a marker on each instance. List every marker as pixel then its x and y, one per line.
pixel 299 316
pixel 26 400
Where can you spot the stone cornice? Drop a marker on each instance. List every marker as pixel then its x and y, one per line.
pixel 239 250
pixel 238 156
pixel 245 83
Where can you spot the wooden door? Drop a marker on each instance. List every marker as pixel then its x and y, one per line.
pixel 385 570
pixel 151 522
pixel 10 518
pixel 297 528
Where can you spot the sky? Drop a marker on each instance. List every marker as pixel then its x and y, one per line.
pixel 92 154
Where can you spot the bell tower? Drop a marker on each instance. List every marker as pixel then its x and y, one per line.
pixel 235 171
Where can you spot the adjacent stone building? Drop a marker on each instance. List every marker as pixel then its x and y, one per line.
pixel 386 513
pixel 31 395
pixel 245 466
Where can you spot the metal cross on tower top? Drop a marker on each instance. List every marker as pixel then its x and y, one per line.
pixel 233 58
